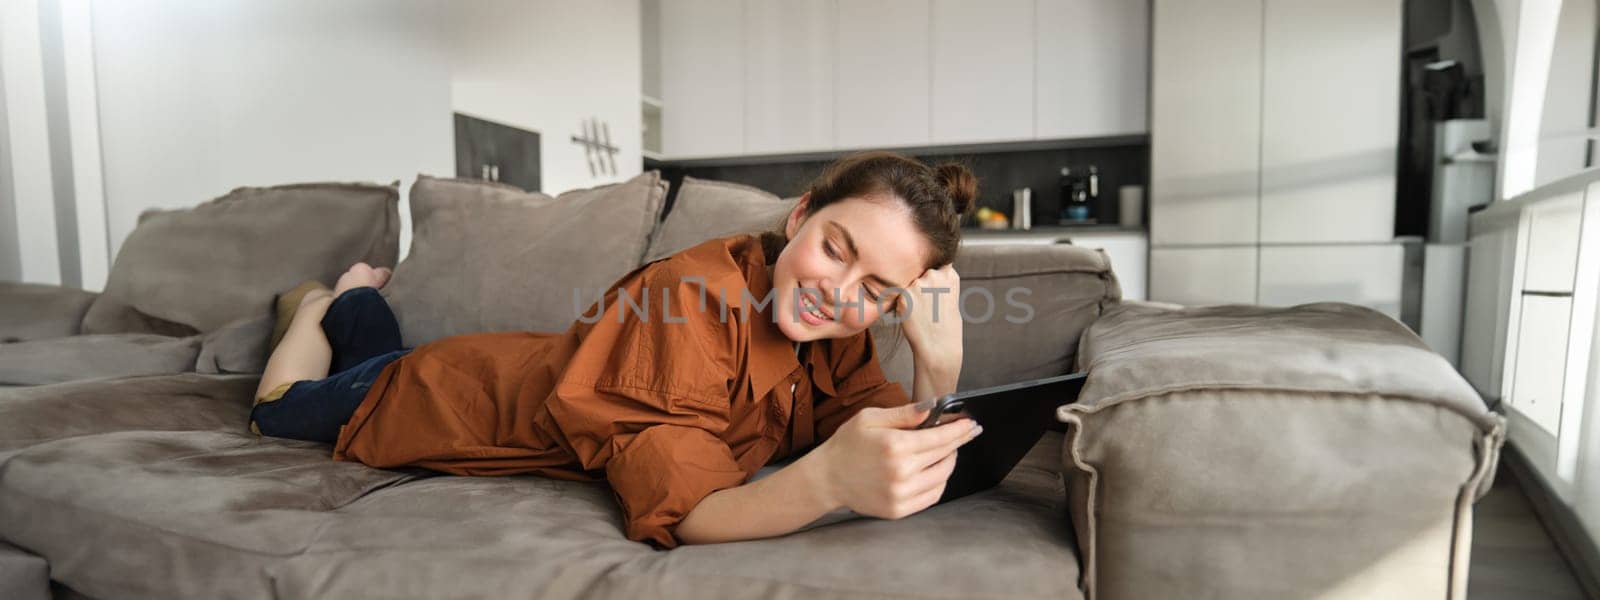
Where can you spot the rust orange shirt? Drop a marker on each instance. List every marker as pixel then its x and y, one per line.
pixel 666 400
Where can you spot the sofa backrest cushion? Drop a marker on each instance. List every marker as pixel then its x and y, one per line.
pixel 706 209
pixel 199 268
pixel 490 257
pixel 1024 309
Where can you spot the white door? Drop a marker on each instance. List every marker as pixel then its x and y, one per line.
pixel 1205 117
pixel 788 75
pixel 881 94
pixel 1329 120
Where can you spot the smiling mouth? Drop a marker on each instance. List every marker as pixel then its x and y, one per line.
pixel 809 304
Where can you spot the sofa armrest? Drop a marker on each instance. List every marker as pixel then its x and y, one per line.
pixel 1318 450
pixel 30 311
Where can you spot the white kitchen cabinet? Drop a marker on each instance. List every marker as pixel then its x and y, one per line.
pixel 1205 123
pixel 1541 360
pixel 1091 68
pixel 1329 120
pixel 982 85
pixel 702 78
pixel 1198 276
pixel 1553 243
pixel 1365 275
pixel 788 75
pixel 882 74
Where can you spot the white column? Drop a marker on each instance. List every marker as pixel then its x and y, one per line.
pixel 32 191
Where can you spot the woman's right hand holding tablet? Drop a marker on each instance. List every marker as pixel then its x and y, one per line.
pixel 878 464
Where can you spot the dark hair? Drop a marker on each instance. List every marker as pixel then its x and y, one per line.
pixel 937 196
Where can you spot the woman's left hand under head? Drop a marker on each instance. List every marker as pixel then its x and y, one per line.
pixel 932 321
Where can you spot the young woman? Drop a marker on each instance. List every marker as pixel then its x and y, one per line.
pixel 691 373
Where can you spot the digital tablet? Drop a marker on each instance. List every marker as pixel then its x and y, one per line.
pixel 1014 416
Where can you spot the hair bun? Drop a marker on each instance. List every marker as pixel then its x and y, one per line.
pixel 959 184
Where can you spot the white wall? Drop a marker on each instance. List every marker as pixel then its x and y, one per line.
pixel 545 66
pixel 197 98
pixel 1564 120
pixel 30 188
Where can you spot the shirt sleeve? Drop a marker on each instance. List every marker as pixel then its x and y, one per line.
pixel 857 382
pixel 663 472
pixel 645 399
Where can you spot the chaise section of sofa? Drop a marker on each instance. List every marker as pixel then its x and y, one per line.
pixel 1245 452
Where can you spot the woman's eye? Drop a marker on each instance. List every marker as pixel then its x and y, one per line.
pixel 871 295
pixel 828 249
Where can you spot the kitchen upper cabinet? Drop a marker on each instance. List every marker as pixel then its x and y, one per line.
pixel 1205 123
pixel 702 78
pixel 882 74
pixel 983 71
pixel 1199 276
pixel 1091 68
pixel 788 74
pixel 1329 120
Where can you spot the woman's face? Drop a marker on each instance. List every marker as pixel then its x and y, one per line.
pixel 833 279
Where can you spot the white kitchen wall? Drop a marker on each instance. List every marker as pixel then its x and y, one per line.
pixel 545 66
pixel 1563 145
pixel 177 103
pixel 199 98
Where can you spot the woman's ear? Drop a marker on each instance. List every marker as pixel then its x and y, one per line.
pixel 797 216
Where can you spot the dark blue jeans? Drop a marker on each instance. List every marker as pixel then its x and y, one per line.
pixel 365 338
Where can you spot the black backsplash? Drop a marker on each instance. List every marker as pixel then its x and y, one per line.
pixel 999 171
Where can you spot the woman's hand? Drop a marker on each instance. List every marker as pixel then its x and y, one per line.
pixel 877 465
pixel 931 319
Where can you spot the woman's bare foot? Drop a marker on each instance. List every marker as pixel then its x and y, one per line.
pixel 362 275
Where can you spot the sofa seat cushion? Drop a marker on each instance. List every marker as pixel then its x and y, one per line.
pixel 57 360
pixel 490 257
pixel 183 503
pixel 1319 450
pixel 223 260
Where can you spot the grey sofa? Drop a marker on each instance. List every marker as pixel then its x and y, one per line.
pixel 1216 452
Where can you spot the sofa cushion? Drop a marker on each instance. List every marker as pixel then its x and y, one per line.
pixel 238 347
pixel 1319 450
pixel 225 259
pixel 23 576
pixel 91 471
pixel 1025 306
pixel 490 257
pixel 57 360
pixel 31 311
pixel 706 209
